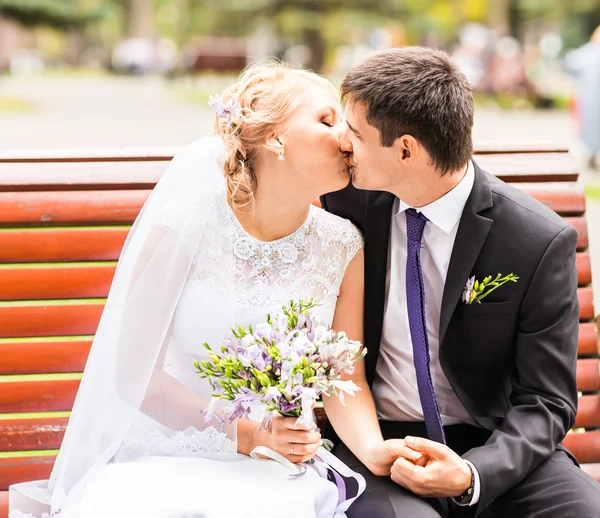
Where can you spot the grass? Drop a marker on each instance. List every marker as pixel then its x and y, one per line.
pixel 592 192
pixel 16 105
pixel 31 453
pixel 13 378
pixel 198 89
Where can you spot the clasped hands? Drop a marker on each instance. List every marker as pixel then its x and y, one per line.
pixel 425 467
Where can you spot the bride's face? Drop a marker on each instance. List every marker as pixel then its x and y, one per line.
pixel 312 151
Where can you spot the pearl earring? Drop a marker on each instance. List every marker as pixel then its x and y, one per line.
pixel 280 157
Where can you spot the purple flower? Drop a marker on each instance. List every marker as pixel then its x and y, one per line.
pixel 287 407
pixel 267 422
pixel 231 110
pixel 240 411
pixel 272 394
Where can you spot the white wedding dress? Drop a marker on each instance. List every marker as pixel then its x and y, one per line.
pixel 176 470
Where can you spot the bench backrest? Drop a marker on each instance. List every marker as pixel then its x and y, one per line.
pixel 63 221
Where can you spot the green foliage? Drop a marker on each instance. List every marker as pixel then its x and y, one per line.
pixel 54 13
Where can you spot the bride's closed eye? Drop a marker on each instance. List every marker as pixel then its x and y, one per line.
pixel 327 124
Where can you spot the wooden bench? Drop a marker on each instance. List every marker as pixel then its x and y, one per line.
pixel 63 221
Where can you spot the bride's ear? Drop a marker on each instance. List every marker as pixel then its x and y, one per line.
pixel 274 145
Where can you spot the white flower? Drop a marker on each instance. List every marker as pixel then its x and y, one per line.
pixel 247 340
pixel 309 395
pixel 320 334
pixel 469 293
pixel 263 329
pixel 347 387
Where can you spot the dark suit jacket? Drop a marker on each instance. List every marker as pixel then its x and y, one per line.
pixel 511 359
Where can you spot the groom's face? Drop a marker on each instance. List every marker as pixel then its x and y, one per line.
pixel 375 167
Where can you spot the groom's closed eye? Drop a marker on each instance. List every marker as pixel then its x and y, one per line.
pixel 353 130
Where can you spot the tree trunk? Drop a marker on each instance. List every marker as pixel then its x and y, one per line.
pixel 499 16
pixel 314 40
pixel 139 18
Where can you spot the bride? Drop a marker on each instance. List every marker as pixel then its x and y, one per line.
pixel 228 235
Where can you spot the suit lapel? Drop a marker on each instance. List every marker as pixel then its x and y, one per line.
pixel 377 237
pixel 472 233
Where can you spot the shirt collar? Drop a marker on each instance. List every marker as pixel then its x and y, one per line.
pixel 445 212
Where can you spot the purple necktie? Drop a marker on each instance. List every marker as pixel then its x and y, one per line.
pixel 415 302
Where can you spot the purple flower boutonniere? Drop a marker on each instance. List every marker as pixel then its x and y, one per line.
pixel 476 290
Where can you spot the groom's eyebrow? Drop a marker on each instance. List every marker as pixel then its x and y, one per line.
pixel 353 130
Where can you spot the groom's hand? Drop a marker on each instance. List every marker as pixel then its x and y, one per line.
pixel 445 474
pixel 381 456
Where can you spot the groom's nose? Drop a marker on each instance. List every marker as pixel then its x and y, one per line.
pixel 345 143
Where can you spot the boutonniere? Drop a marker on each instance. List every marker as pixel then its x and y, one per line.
pixel 476 290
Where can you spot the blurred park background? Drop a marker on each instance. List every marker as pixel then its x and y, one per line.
pixel 89 73
pixel 111 73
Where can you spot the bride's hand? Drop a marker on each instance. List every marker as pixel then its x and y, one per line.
pixel 294 442
pixel 382 455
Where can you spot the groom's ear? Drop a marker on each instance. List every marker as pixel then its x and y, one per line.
pixel 408 149
pixel 274 145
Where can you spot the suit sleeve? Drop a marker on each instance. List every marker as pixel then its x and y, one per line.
pixel 544 388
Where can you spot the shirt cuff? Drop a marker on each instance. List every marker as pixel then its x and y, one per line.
pixel 476 486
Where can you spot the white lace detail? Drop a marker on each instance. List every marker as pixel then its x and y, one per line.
pixel 189 442
pixel 310 262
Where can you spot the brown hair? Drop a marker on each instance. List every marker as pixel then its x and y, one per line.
pixel 420 92
pixel 268 94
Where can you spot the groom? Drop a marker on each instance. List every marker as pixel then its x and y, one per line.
pixel 485 391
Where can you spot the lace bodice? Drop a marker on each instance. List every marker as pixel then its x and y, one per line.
pixel 310 262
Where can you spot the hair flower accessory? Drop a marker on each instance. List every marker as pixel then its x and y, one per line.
pixel 231 110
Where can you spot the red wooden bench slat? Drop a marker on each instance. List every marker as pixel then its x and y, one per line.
pixel 588 339
pixel 518 146
pixel 37 396
pixel 32 434
pixel 43 357
pixel 3 504
pixel 73 207
pixel 60 282
pixel 588 375
pixel 80 177
pixel 23 469
pixel 585 446
pixel 586 303
pixel 584 268
pixel 530 167
pixel 564 198
pixel 580 225
pixel 73 244
pixel 49 320
pixel 588 413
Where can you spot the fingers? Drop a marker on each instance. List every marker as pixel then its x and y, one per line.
pixel 404 472
pixel 303 452
pixel 285 433
pixel 434 449
pixel 291 423
pixel 398 448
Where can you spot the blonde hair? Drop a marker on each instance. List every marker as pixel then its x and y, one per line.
pixel 267 94
pixel 596 35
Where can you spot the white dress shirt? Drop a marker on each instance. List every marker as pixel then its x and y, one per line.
pixel 395 384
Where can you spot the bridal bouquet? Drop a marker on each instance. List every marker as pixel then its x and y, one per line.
pixel 285 364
